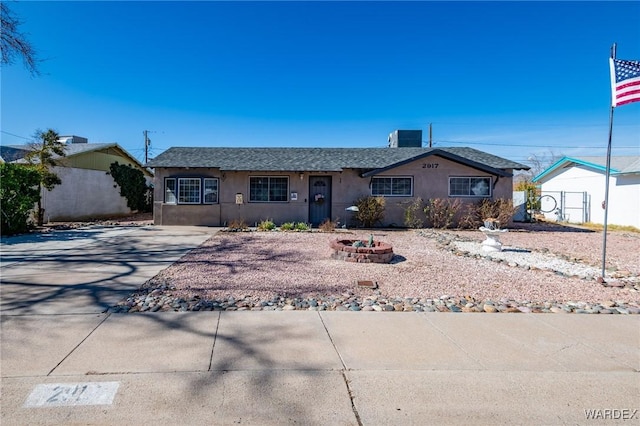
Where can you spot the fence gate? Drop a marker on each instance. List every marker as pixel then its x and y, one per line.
pixel 566 206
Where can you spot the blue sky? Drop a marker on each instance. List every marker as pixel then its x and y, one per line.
pixel 515 79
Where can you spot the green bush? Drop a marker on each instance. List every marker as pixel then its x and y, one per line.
pixel 301 226
pixel 441 213
pixel 414 213
pixel 370 210
pixel 19 193
pixel 288 226
pixel 266 225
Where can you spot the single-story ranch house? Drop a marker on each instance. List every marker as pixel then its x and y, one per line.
pixel 214 186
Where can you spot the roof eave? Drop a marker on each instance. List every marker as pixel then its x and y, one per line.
pixel 453 157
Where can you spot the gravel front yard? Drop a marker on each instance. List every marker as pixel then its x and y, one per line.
pixel 263 265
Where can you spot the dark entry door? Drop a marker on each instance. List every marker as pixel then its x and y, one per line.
pixel 319 199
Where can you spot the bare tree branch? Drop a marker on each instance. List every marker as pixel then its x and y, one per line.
pixel 13 43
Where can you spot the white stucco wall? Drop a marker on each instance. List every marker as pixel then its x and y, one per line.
pixel 624 194
pixel 83 194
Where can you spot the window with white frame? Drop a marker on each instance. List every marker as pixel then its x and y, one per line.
pixel 470 186
pixel 189 190
pixel 210 191
pixel 268 189
pixel 170 191
pixel 392 186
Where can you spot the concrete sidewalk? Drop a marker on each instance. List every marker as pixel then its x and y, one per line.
pixel 65 361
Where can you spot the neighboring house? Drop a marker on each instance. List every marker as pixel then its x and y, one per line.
pixel 578 186
pixel 214 186
pixel 86 191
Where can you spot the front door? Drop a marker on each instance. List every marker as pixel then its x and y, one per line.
pixel 319 199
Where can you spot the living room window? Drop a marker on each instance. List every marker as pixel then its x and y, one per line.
pixel 470 186
pixel 189 190
pixel 392 186
pixel 268 189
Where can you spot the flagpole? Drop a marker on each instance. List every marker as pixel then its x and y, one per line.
pixel 607 174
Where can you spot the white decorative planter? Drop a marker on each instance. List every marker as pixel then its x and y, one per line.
pixel 492 241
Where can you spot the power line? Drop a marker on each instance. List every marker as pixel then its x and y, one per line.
pixel 17 136
pixel 525 146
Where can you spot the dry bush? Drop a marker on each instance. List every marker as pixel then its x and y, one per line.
pixel 370 210
pixel 441 212
pixel 328 226
pixel 414 214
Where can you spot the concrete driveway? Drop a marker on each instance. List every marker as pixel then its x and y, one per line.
pixel 87 270
pixel 65 360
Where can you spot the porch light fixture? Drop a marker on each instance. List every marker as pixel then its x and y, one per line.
pixel 301 176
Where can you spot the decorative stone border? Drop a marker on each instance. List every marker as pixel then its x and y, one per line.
pixel 344 250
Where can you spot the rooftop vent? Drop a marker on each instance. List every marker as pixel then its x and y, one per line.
pixel 405 139
pixel 72 139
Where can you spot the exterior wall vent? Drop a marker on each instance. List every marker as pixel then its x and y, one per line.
pixel 405 139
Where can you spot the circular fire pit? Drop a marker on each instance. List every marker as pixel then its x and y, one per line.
pixel 359 251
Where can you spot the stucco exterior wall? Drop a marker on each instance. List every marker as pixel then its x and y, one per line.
pixel 430 180
pixel 624 194
pixel 83 194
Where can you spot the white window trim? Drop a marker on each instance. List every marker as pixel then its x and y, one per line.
pixel 471 195
pixel 286 200
pixel 175 187
pixel 392 178
pixel 199 191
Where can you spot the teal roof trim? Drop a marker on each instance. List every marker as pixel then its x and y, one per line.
pixel 571 160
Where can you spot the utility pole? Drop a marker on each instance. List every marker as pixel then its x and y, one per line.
pixel 147 142
pixel 430 135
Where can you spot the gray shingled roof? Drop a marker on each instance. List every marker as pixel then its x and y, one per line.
pixel 320 159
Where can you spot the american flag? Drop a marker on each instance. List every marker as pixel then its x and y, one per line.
pixel 625 81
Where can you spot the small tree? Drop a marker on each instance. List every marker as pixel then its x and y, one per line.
pixel 18 193
pixel 45 153
pixel 370 210
pixel 133 186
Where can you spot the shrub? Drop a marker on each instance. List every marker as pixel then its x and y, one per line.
pixel 266 225
pixel 370 210
pixel 19 192
pixel 413 214
pixel 441 212
pixel 238 225
pixel 133 186
pixel 301 226
pixel 474 214
pixel 288 226
pixel 501 209
pixel 328 226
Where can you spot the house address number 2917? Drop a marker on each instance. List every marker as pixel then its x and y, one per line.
pixel 429 165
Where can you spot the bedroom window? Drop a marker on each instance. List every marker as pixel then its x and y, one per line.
pixel 470 187
pixel 268 189
pixel 392 186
